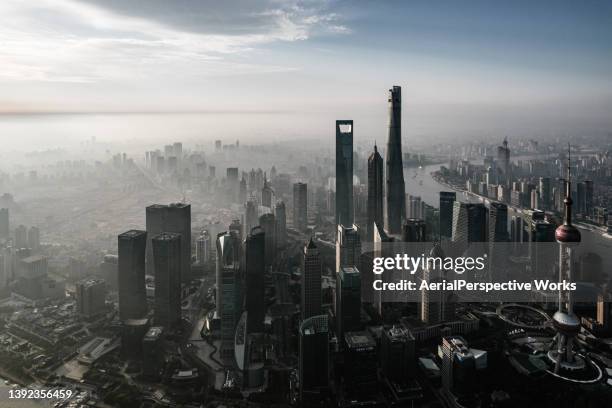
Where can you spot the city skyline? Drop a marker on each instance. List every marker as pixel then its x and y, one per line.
pixel 305 203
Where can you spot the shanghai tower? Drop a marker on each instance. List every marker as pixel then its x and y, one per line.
pixel 396 195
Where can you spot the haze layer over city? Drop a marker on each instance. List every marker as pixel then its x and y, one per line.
pixel 197 198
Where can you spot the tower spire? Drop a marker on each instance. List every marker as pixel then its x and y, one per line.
pixel 568 190
pixel 567 233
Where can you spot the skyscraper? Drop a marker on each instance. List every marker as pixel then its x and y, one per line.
pixel 170 218
pixel 498 222
pixel 348 247
pixel 21 237
pixel 280 214
pixel 266 194
pixel 5 227
pixel 498 232
pixel 344 172
pixel 397 354
pixel 503 163
pixel 311 281
pixel 90 297
pixel 153 353
pixel 414 230
pixel 131 260
pixel 34 238
pixel 203 248
pixel 545 193
pixel 469 222
pixel 375 193
pixel 167 259
pixel 250 216
pixel 348 300
pixel 267 222
pixel 300 206
pixel 580 198
pixel 314 358
pixel 229 297
pixel 255 270
pixel 414 207
pixel 242 192
pixel 447 201
pixel 236 228
pixel 396 190
pixel 458 366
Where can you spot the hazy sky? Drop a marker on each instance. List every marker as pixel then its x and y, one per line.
pixel 552 58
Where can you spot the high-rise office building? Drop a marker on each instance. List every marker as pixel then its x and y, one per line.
pixel 236 228
pixel 267 222
pixel 266 194
pixel 348 300
pixel 447 202
pixel 498 222
pixel 545 193
pixel 314 358
pixel 177 148
pixel 469 222
pixel 414 230
pixel 311 281
pixel 5 226
pixel 174 218
pixel 458 366
pixel 21 237
pixel 229 291
pixel 6 271
pixel 300 206
pixel 436 305
pixel 34 238
pixel 131 260
pixel 375 193
pixel 90 297
pixel 167 258
pixel 242 191
pixel 397 354
pixel 348 247
pixel 497 234
pixel 231 173
pixel 280 214
pixel 344 172
pixel 255 268
pixel 395 188
pixel 414 207
pixel 584 198
pixel 503 163
pixel 361 361
pixel 153 353
pixel 203 248
pixel 250 217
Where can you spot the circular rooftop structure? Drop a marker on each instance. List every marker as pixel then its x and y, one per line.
pixel 523 316
pixel 566 323
pixel 581 371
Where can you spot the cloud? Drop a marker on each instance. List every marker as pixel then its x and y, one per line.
pixel 93 40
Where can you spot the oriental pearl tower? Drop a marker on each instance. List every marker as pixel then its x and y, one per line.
pixel 565 322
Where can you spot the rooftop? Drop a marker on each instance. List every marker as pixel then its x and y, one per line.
pixel 132 234
pixel 359 340
pixel 154 333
